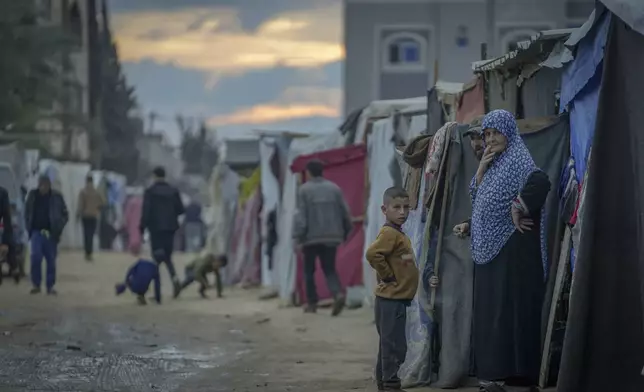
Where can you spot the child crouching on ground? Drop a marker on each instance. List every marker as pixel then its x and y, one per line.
pixel 138 279
pixel 199 269
pixel 392 257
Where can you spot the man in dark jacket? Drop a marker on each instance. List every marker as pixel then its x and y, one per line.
pixel 162 207
pixel 45 217
pixel 323 221
pixel 7 243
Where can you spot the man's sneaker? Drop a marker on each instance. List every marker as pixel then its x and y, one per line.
pixel 35 290
pixel 338 305
pixel 202 293
pixel 310 309
pixel 52 292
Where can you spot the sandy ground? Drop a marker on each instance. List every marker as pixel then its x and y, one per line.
pixel 87 339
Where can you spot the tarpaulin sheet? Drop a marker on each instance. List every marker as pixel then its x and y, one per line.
pixel 604 343
pixel 580 91
pixel 471 103
pixel 345 167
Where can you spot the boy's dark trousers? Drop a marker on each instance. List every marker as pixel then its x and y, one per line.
pixel 326 254
pixel 391 317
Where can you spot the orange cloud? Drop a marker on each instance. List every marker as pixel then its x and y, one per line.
pixel 265 114
pixel 295 102
pixel 212 39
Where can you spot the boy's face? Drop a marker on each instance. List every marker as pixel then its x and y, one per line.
pixel 397 210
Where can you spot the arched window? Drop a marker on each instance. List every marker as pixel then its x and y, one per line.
pixel 510 40
pixel 404 52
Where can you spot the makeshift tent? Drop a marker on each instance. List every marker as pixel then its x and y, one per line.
pixel 346 167
pixel 547 140
pixel 604 342
pixel 268 153
pixel 285 260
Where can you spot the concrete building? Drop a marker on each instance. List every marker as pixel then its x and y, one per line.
pixel 67 124
pixel 397 48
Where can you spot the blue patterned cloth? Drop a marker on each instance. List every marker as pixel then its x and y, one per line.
pixel 492 200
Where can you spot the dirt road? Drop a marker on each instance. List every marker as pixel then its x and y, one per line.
pixel 87 339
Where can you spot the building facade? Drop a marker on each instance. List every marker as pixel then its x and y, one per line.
pixel 67 124
pixel 398 48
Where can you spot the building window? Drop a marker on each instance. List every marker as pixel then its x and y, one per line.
pixel 511 40
pixel 404 52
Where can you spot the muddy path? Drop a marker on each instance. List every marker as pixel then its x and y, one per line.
pixel 86 339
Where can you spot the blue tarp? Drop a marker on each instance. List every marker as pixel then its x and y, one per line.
pixel 580 85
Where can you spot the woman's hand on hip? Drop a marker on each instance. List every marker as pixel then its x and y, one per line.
pixel 521 222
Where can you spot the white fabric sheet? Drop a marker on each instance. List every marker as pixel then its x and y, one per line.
pixel 381 151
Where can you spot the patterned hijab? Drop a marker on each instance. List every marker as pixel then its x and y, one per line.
pixel 492 200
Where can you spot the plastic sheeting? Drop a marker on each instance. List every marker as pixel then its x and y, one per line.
pixel 223 195
pixel 381 151
pixel 285 261
pixel 346 167
pixel 68 178
pixel 580 87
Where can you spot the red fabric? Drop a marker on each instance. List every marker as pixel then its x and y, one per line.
pixel 471 103
pixel 346 167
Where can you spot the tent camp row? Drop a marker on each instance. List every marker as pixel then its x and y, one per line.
pixel 571 90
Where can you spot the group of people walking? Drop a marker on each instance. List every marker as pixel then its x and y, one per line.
pixel 46 216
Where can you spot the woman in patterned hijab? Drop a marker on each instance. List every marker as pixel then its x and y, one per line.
pixel 508 193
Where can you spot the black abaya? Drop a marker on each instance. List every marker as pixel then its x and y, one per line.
pixel 508 295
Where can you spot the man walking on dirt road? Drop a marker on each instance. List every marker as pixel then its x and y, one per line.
pixel 46 216
pixel 322 222
pixel 90 202
pixel 162 207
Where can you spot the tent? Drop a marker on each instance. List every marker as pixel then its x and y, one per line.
pixel 604 341
pixel 346 167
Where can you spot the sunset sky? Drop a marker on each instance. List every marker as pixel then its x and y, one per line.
pixel 239 64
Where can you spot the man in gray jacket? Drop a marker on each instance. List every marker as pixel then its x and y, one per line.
pixel 322 222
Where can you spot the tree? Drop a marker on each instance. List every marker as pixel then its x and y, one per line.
pixel 33 66
pixel 120 128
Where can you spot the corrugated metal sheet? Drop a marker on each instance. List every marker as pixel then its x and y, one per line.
pixel 527 51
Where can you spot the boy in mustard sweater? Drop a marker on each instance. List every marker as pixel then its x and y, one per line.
pixel 392 257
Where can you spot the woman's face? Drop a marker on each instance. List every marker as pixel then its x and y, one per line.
pixel 495 140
